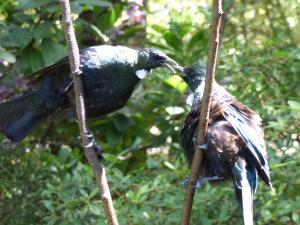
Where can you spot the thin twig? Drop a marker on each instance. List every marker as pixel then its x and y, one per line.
pixel 204 110
pixel 87 141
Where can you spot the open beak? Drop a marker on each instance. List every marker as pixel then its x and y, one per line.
pixel 173 66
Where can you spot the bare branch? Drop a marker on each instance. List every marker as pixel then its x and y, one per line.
pixel 204 110
pixel 90 154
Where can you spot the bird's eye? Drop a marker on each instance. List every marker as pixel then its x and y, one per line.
pixel 187 71
pixel 159 57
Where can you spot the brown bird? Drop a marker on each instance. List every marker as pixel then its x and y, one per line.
pixel 235 147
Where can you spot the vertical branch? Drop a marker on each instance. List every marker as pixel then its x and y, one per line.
pixel 204 110
pixel 87 141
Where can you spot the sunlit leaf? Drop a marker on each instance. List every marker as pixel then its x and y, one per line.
pixel 169 165
pixel 294 105
pixel 177 83
pixel 7 56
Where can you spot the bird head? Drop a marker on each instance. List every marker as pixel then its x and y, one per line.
pixel 150 58
pixel 194 76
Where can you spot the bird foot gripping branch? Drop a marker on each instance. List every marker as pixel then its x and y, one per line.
pixel 235 146
pixel 98 149
pixel 203 147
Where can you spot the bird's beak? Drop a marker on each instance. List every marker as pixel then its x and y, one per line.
pixel 173 66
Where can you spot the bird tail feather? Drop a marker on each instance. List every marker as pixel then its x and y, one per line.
pixel 16 117
pixel 244 189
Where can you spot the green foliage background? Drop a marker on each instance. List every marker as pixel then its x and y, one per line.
pixel 46 180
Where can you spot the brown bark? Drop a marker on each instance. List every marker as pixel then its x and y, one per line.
pixel 87 141
pixel 204 110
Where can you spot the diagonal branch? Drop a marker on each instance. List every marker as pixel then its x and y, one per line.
pixel 204 110
pixel 87 141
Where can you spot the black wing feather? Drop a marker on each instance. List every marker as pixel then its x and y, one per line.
pixel 240 123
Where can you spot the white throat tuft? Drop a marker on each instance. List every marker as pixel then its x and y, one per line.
pixel 141 74
pixel 189 100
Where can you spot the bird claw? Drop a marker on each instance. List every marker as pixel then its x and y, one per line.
pixel 98 149
pixel 68 87
pixel 204 146
pixel 198 185
pixel 200 180
pixel 90 134
pixel 185 182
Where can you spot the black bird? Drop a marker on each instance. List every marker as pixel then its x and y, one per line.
pixel 110 74
pixel 235 147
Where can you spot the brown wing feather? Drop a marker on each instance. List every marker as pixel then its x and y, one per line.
pixel 221 97
pixel 224 146
pixel 254 122
pixel 225 140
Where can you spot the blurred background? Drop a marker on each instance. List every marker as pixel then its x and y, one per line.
pixel 45 179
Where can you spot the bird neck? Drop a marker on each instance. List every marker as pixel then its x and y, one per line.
pixel 195 97
pixel 142 61
pixel 198 89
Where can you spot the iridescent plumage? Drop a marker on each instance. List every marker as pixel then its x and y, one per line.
pixel 109 76
pixel 235 141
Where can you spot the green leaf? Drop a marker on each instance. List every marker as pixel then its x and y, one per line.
pixel 136 162
pixel 112 17
pixel 169 165
pixel 174 110
pixel 295 217
pixel 35 59
pixel 136 143
pixel 52 8
pixel 31 60
pixel 42 30
pixel 7 56
pixel 109 157
pixel 83 192
pixel 113 136
pixel 294 105
pixel 106 20
pixel 52 51
pixel 280 54
pixel 12 36
pixel 198 39
pixel 76 8
pixel 64 153
pixel 95 3
pixel 96 209
pixel 29 4
pixel 177 83
pixel 122 122
pixel 173 40
pixel 22 17
pixel 51 221
pixel 94 192
pixel 49 205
